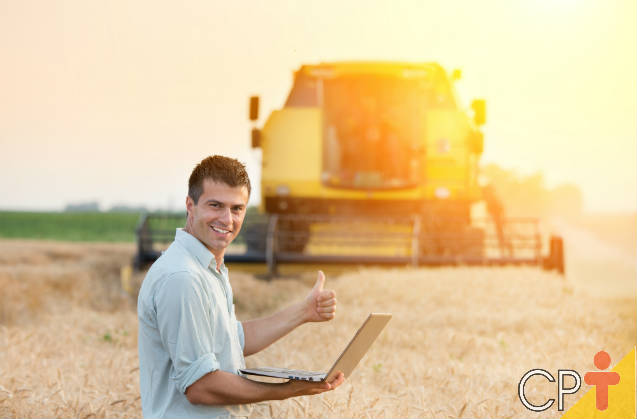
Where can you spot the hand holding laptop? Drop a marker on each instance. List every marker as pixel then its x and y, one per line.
pixel 310 388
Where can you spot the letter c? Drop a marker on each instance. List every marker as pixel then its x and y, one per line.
pixel 523 381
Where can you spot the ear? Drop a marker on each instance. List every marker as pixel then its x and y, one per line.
pixel 246 195
pixel 190 204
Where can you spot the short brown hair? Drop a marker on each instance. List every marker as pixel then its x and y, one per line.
pixel 220 169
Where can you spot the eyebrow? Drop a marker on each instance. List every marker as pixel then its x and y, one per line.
pixel 223 203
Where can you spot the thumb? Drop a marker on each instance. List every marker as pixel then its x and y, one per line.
pixel 320 281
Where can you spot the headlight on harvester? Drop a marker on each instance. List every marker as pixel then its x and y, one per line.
pixel 283 190
pixel 442 192
pixel 443 146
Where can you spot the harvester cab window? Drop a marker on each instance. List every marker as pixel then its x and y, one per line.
pixel 304 92
pixel 374 129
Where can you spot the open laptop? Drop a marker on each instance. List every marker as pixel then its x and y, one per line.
pixel 346 362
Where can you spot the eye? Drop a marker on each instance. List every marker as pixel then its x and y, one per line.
pixel 214 204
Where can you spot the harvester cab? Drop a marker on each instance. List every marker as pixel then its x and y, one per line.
pixel 377 162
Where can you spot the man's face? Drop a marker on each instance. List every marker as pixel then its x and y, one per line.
pixel 217 217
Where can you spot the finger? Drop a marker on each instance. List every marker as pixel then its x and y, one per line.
pixel 330 309
pixel 337 381
pixel 320 281
pixel 327 316
pixel 326 295
pixel 327 303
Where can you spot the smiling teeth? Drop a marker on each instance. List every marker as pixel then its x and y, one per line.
pixel 220 230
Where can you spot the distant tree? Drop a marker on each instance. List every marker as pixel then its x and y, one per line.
pixel 529 196
pixel 89 206
pixel 128 208
pixel 252 211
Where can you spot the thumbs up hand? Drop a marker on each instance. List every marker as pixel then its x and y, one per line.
pixel 320 304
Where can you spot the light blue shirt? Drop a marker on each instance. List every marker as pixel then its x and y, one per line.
pixel 187 328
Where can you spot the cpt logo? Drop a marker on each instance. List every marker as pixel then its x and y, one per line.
pixel 600 379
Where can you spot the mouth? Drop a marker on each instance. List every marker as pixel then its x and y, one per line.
pixel 220 230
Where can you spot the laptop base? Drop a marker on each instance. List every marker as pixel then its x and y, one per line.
pixel 285 373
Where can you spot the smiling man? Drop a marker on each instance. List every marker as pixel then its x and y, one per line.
pixel 191 346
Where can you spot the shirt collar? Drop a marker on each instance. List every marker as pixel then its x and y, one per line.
pixel 197 249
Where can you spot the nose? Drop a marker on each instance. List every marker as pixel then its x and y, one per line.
pixel 226 217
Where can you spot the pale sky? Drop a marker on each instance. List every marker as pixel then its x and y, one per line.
pixel 116 101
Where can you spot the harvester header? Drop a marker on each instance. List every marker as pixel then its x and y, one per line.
pixel 378 162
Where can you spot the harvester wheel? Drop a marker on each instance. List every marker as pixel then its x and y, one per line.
pixel 555 259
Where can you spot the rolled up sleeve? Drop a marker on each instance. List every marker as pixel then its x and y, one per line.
pixel 186 329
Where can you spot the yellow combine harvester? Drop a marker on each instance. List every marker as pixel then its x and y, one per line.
pixel 377 162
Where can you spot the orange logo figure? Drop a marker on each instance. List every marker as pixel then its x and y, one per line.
pixel 601 379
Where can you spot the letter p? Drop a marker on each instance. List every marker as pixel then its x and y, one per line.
pixel 561 391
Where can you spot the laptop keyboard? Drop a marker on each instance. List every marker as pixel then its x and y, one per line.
pixel 295 374
pixel 290 371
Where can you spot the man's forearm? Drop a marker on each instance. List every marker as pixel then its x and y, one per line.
pixel 221 387
pixel 261 333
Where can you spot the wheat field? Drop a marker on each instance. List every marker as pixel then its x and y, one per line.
pixel 459 341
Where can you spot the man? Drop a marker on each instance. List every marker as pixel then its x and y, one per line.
pixel 191 345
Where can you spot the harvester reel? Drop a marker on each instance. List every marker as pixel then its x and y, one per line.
pixel 448 237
